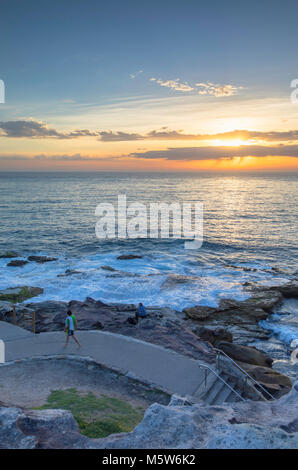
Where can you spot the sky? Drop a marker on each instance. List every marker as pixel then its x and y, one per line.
pixel 149 85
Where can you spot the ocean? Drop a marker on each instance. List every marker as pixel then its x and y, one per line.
pixel 250 227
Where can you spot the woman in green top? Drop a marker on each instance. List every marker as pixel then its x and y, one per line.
pixel 70 327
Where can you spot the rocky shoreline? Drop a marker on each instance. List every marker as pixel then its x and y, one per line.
pixel 233 327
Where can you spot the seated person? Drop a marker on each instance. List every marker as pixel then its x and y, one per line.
pixel 141 312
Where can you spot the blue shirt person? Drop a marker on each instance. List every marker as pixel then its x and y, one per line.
pixel 141 312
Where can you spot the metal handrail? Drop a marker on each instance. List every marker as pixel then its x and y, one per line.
pixel 245 373
pixel 220 378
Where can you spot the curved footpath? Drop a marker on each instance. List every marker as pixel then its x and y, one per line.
pixel 163 368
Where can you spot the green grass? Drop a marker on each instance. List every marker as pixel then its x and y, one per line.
pixel 96 416
pixel 23 294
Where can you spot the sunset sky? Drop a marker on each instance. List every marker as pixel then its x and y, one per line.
pixel 148 85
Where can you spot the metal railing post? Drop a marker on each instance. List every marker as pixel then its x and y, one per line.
pixel 247 375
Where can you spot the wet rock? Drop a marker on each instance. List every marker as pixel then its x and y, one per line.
pixel 290 289
pixel 9 254
pixel 174 280
pixel 17 262
pixel 50 315
pixel 240 318
pixel 69 272
pixel 242 268
pixel 124 257
pixel 41 259
pixel 199 312
pixel 214 335
pixel 286 289
pixel 108 268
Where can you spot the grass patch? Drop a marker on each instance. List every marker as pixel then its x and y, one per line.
pixel 96 416
pixel 20 294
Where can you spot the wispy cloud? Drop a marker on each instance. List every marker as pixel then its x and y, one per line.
pixel 174 84
pixel 217 90
pixel 203 88
pixel 134 75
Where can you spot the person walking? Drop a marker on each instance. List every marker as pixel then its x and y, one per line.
pixel 70 327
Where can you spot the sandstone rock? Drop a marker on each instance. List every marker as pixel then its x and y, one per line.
pixel 17 262
pixel 245 354
pixel 240 318
pixel 124 257
pixel 199 312
pixel 214 335
pixel 245 425
pixel 276 383
pixel 250 436
pixel 41 259
pixel 50 315
pixel 163 326
pixel 11 436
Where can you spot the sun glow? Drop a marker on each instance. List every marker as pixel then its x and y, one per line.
pixel 230 143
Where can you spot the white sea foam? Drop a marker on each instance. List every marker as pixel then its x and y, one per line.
pixel 133 281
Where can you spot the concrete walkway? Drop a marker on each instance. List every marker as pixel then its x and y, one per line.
pixel 162 367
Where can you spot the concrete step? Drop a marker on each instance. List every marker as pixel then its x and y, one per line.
pixel 231 397
pixel 204 387
pixel 214 392
pixel 222 396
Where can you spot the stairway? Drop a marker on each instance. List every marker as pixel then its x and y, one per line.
pixel 215 390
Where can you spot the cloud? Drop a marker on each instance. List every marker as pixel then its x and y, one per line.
pixel 167 134
pixel 216 90
pixel 110 136
pixel 218 153
pixel 174 84
pixel 203 88
pixel 134 75
pixel 38 130
pixel 177 154
pixel 30 128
